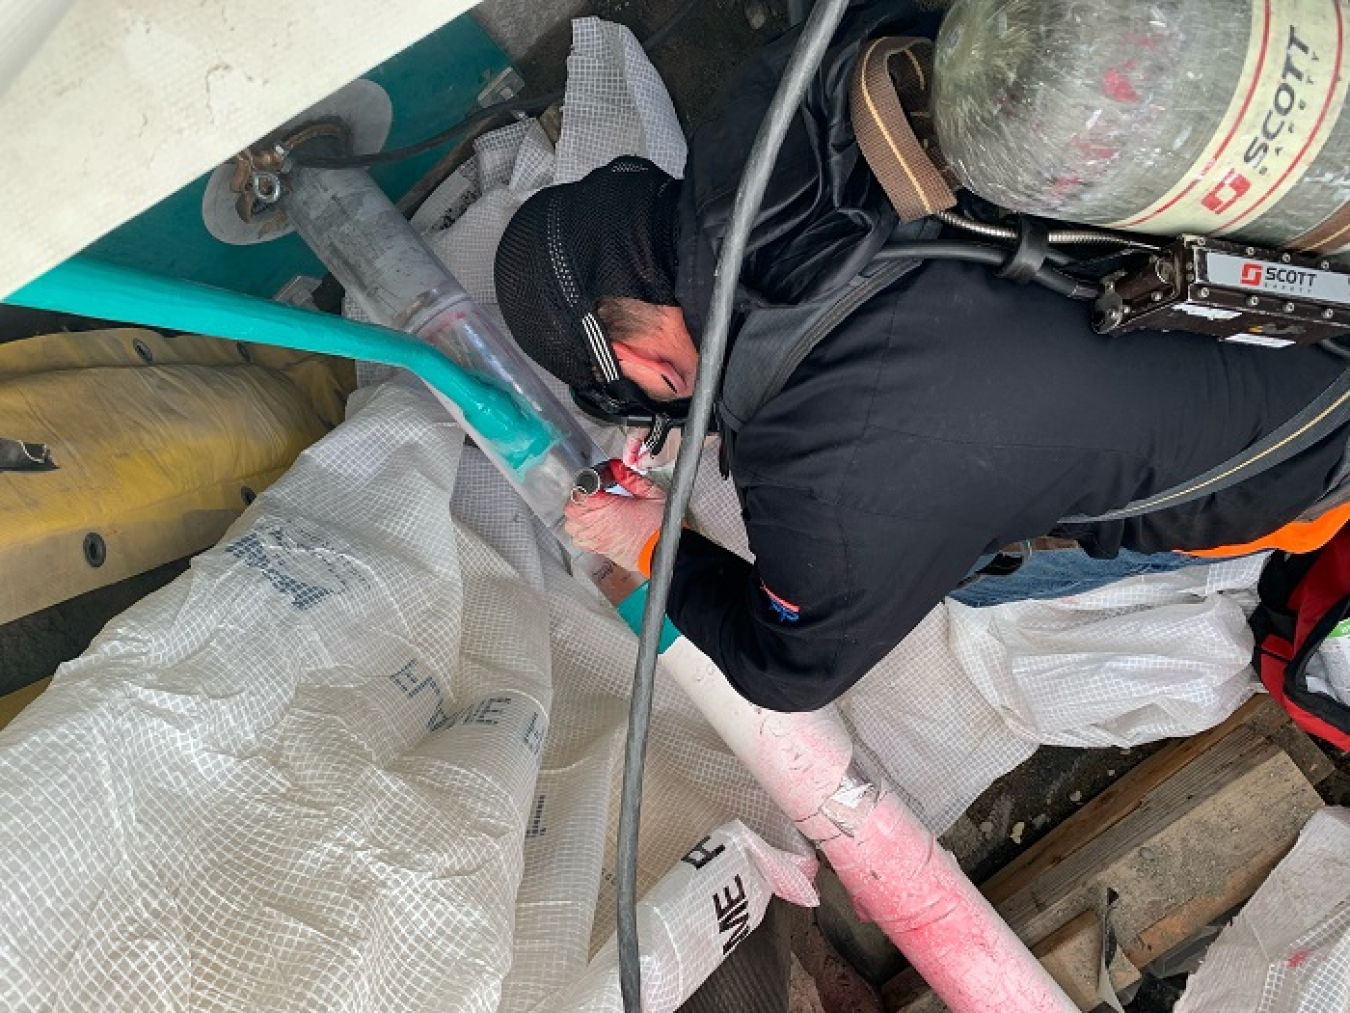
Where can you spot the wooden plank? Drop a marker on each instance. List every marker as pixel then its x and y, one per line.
pixel 1192 849
pixel 1072 955
pixel 12 703
pixel 1184 837
pixel 1124 797
pixel 1204 864
pixel 1273 721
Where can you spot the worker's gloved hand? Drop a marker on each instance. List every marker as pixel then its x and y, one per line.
pixel 619 527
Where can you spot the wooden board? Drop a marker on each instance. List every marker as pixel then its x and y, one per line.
pixel 1271 720
pixel 1183 838
pixel 1191 850
pixel 1072 955
pixel 1260 714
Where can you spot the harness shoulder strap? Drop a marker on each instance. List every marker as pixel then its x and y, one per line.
pixel 775 340
pixel 888 106
pixel 1323 416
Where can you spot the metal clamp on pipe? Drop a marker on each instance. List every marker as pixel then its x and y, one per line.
pixel 1033 246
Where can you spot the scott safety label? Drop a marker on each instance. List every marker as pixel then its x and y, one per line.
pixel 1277 279
pixel 1291 91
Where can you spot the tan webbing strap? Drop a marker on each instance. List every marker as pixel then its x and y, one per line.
pixel 1328 236
pixel 892 76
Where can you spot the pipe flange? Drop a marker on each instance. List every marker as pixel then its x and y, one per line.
pixel 362 110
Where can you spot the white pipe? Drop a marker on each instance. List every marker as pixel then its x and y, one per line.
pixel 897 873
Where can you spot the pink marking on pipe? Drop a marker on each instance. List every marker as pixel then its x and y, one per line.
pixel 894 869
pixel 912 888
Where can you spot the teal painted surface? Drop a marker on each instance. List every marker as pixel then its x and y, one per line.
pixel 431 84
pixel 631 609
pixel 103 291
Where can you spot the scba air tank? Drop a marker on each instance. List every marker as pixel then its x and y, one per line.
pixel 1217 117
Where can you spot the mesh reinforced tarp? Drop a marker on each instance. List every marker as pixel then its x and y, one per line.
pixel 362 755
pixel 1289 949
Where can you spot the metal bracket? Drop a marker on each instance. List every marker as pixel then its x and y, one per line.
pixel 16 455
pixel 259 171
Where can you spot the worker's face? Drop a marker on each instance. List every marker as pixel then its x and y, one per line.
pixel 663 361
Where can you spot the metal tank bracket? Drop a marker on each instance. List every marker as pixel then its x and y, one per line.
pixel 1230 291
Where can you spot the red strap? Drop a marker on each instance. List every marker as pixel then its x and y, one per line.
pixel 1272 677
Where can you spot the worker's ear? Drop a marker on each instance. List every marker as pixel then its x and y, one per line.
pixel 650 364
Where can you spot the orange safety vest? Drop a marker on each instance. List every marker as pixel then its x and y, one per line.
pixel 1296 536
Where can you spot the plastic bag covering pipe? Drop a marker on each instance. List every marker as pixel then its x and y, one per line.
pixel 380 259
pixel 896 872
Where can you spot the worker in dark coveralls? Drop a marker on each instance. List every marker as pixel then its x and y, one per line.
pixel 953 414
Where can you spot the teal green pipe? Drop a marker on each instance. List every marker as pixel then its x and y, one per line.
pixel 90 288
pixel 631 610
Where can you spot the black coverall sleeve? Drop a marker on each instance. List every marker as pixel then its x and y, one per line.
pixel 805 622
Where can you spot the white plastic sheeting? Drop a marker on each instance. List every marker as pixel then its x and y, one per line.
pixel 730 874
pixel 1289 949
pixel 1058 675
pixel 290 776
pixel 361 757
pixel 317 771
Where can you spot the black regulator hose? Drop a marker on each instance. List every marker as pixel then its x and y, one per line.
pixel 811 47
pixel 991 256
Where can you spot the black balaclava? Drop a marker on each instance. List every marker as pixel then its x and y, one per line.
pixel 612 234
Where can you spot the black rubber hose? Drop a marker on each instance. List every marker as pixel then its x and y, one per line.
pixel 810 50
pixel 993 256
pixel 530 107
pixel 527 106
pixel 1073 236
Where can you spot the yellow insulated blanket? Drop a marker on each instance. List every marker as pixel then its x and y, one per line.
pixel 159 444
